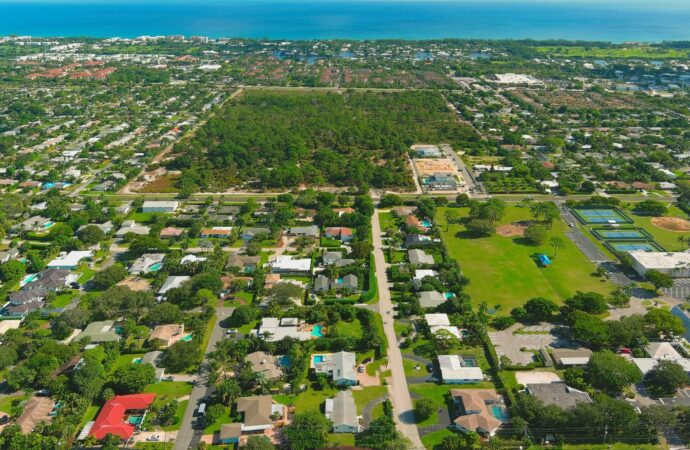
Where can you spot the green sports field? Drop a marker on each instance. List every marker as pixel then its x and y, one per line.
pixel 502 270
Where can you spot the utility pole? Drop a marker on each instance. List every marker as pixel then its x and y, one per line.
pixel 606 432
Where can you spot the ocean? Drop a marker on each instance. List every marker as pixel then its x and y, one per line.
pixel 605 20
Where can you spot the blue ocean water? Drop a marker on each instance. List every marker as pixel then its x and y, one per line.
pixel 608 20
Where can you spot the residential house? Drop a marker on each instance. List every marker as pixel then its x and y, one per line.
pixel 412 221
pixel 310 231
pixel 166 335
pixel 116 414
pixel 148 262
pixel 438 322
pixel 454 370
pixel 336 259
pixel 342 234
pixel 245 263
pixel 100 332
pixel 342 412
pixel 35 223
pixel 216 232
pixel 248 234
pixel 173 282
pixel 266 364
pixel 230 433
pixel 660 351
pixel 160 206
pixel 258 412
pixel 339 366
pixel 348 283
pixel 420 274
pixel 171 232
pixel 558 394
pixel 106 227
pixel 403 211
pixel 419 257
pixel 130 226
pixel 417 240
pixel 288 265
pixel 431 299
pixel 69 261
pixel 475 413
pixel 273 329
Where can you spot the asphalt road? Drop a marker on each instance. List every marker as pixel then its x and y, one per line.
pixel 188 437
pixel 397 389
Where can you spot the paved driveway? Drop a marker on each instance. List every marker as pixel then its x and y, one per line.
pixel 509 343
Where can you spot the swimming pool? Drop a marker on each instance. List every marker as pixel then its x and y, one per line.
pixel 426 223
pixel 316 331
pixel 48 225
pixel 135 420
pixel 187 338
pixel 448 295
pixel 28 279
pixel 499 412
pixel 156 267
pixel 137 360
pixel 318 359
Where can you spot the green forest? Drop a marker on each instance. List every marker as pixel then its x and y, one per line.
pixel 281 140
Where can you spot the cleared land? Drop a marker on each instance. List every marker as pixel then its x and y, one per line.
pixel 503 272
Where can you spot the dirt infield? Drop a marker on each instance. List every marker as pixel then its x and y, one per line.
pixel 671 223
pixel 515 229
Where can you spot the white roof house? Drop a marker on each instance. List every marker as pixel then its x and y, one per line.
pixel 173 282
pixel 435 320
pixel 279 329
pixel 674 264
pixel 285 263
pixel 420 274
pixel 342 411
pixel 454 370
pixel 70 260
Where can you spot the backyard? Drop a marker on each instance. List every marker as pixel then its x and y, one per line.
pixel 503 272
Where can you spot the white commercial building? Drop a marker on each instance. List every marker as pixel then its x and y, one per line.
pixel 159 206
pixel 676 265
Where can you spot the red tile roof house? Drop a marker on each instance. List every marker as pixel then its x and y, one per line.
pixel 341 233
pixel 113 418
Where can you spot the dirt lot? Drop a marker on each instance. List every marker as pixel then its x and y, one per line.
pixel 429 166
pixel 515 229
pixel 671 223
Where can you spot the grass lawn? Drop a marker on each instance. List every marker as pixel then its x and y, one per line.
pixel 433 440
pixel 666 238
pixel 387 220
pixel 397 256
pixel 377 411
pixel 87 273
pixel 349 329
pixel 207 333
pixel 6 403
pixel 436 393
pixel 215 426
pixel 124 360
pixel 309 400
pixel 410 370
pixel 181 408
pixel 245 329
pixel 167 391
pixel 154 445
pixel 613 446
pixel 62 300
pixel 90 415
pixel 341 439
pixel 502 270
pixel 367 394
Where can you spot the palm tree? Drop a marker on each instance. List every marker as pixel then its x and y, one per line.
pixel 450 215
pixel 683 240
pixel 556 243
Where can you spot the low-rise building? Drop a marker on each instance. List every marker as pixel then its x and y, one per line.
pixel 69 261
pixel 166 335
pixel 160 206
pixel 257 412
pixel 342 234
pixel 419 257
pixel 148 262
pixel 289 265
pixel 476 408
pixel 339 366
pixel 674 264
pixel 454 370
pixel 342 412
pixel 36 410
pixel 310 231
pixel 100 332
pixel 566 357
pixel 120 416
pixel 265 364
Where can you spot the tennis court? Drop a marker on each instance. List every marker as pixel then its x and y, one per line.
pixel 595 216
pixel 634 246
pixel 629 234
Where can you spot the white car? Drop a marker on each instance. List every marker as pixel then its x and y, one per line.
pixel 154 438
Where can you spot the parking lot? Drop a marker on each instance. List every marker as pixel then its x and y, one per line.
pixel 510 343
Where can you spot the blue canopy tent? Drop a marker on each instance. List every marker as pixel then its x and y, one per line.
pixel 544 260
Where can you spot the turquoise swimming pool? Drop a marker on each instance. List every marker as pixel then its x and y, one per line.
pixel 187 338
pixel 135 420
pixel 318 359
pixel 48 225
pixel 137 360
pixel 28 279
pixel 499 412
pixel 156 267
pixel 426 223
pixel 317 331
pixel 448 295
